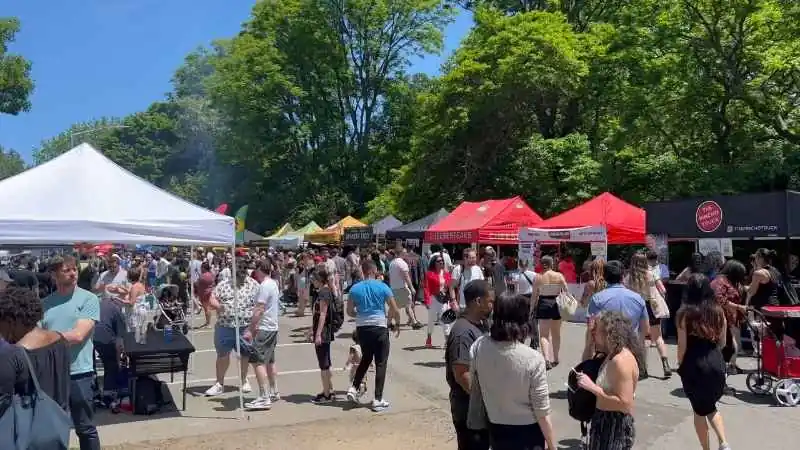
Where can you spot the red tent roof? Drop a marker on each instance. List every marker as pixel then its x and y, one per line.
pixel 625 223
pixel 486 222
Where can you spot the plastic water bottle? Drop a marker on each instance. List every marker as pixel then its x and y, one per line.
pixel 168 333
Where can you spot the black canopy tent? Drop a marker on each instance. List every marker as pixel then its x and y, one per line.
pixel 760 215
pixel 417 228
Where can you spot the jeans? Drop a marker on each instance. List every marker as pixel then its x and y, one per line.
pixel 110 359
pixel 471 439
pixel 81 408
pixel 374 342
pixel 516 437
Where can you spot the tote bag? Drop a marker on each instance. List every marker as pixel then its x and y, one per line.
pixel 37 421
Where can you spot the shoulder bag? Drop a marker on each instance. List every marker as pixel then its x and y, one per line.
pixel 38 422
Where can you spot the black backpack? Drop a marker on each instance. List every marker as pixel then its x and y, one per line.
pixel 337 313
pixel 582 403
pixel 149 395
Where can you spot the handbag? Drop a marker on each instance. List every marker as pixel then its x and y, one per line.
pixel 567 304
pixel 477 418
pixel 38 422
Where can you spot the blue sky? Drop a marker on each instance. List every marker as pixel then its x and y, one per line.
pixel 104 58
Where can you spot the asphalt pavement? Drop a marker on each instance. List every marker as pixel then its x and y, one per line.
pixel 416 383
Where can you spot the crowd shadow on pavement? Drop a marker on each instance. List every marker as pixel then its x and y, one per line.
pixel 339 401
pixel 569 444
pixel 430 364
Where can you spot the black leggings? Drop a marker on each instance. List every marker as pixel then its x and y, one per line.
pixel 374 345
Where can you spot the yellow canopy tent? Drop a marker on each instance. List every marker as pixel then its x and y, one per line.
pixel 333 234
pixel 286 228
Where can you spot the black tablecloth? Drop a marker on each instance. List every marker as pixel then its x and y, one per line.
pixel 157 355
pixel 157 343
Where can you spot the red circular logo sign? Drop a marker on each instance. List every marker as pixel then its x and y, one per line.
pixel 708 216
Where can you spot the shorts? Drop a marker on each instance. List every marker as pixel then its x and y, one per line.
pixel 264 343
pixel 547 309
pixel 225 341
pixel 654 321
pixel 323 352
pixel 402 297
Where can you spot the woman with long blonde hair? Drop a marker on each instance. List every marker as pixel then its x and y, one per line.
pixel 595 284
pixel 646 283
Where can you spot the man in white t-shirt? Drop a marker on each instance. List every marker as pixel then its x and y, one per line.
pixel 402 287
pixel 462 275
pixel 263 336
pixel 112 283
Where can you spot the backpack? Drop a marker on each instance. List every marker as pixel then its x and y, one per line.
pixel 337 313
pixel 149 397
pixel 582 403
pixel 38 422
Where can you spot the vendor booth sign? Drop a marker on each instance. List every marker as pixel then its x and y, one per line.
pixel 736 216
pixel 583 234
pixel 358 236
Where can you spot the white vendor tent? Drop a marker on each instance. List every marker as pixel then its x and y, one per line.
pixel 82 196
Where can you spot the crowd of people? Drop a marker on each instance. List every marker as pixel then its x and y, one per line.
pixel 501 332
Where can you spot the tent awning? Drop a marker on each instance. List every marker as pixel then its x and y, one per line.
pixel 624 223
pixel 82 196
pixel 333 234
pixel 417 228
pixel 487 222
pixel 286 228
pixel 387 223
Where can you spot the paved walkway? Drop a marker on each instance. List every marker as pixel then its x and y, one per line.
pixel 419 414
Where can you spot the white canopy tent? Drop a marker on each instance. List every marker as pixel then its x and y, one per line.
pixel 82 196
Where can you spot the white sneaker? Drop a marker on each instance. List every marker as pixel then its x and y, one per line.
pixel 246 388
pixel 274 396
pixel 352 394
pixel 379 405
pixel 259 404
pixel 216 389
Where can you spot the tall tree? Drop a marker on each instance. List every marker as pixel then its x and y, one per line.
pixel 304 87
pixel 11 163
pixel 15 82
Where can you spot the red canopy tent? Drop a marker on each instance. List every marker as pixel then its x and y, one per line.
pixel 487 222
pixel 624 223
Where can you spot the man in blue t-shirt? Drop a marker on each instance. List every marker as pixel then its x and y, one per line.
pixel 616 297
pixel 367 303
pixel 73 312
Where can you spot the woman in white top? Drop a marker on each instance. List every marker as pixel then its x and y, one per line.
pixel 647 283
pixel 525 279
pixel 511 380
pixel 612 426
pixel 546 288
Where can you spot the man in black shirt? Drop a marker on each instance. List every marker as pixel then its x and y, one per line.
pixel 466 330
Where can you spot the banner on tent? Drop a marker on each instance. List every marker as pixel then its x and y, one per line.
pixel 358 236
pixel 582 234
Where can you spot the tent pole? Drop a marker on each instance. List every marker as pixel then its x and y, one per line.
pixel 191 314
pixel 237 326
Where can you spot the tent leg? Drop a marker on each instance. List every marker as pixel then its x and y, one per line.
pixel 191 318
pixel 238 327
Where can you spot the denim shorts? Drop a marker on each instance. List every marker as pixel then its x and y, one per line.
pixel 225 341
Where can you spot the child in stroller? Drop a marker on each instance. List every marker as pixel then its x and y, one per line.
pixel 173 309
pixel 779 362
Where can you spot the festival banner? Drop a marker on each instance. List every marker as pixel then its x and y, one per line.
pixel 241 215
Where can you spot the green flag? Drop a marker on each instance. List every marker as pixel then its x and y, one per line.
pixel 241 215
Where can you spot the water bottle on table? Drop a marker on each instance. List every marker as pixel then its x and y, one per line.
pixel 168 333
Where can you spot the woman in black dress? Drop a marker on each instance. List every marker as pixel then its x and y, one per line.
pixel 701 336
